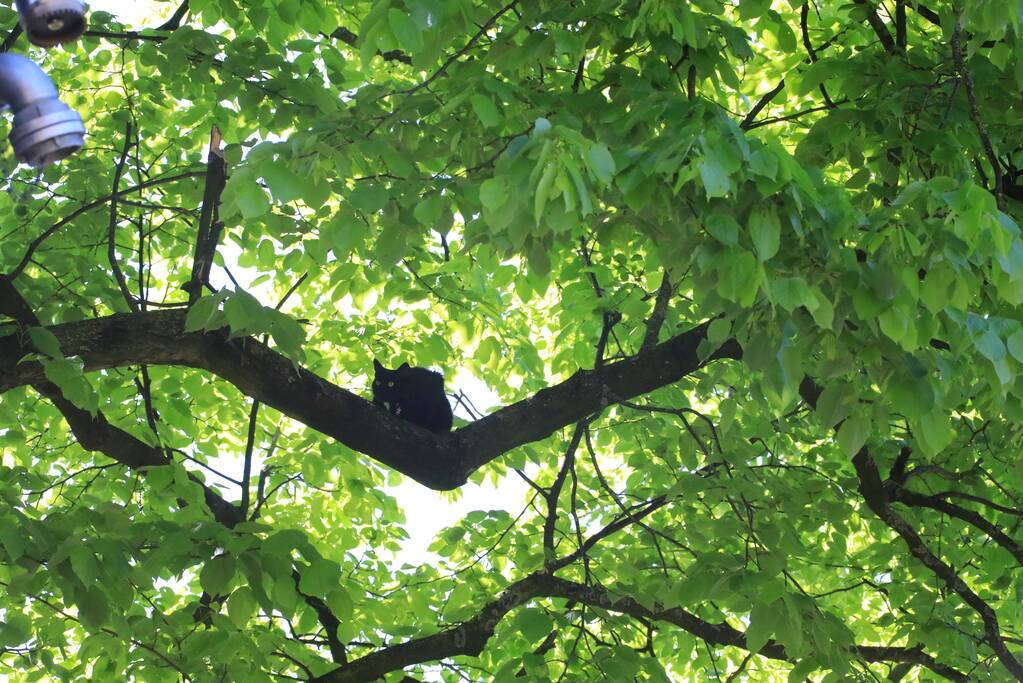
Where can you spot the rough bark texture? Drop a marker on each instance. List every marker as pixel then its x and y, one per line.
pixel 470 637
pixel 437 461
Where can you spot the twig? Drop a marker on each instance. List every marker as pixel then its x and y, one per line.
pixel 967 78
pixel 13 274
pixel 656 320
pixel 209 224
pixel 879 28
pixel 112 226
pixel 465 48
pixel 174 23
pixel 747 121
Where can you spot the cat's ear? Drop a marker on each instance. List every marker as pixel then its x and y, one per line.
pixel 405 366
pixel 377 366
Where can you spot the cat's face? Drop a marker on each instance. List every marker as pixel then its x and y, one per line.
pixel 385 381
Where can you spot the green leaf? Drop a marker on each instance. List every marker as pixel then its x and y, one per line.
pixel 340 602
pixel 910 396
pixel 200 313
pixel 251 199
pixel 933 432
pixel 990 346
pixel 84 563
pixel 494 193
pixel 216 575
pixel 763 620
pixel 715 178
pixel 586 205
pixel 369 197
pixel 1015 345
pixel 802 671
pixel 15 629
pixel 67 374
pixel 93 607
pixel 534 623
pixel 485 110
pixel 765 230
pixel 319 578
pixel 405 30
pixel 289 335
pixel 601 163
pixel 543 191
pixel 45 342
pixel 833 405
pixel 719 330
pixel 723 227
pixel 853 433
pixel 539 260
pixel 241 606
pixel 792 292
pixel 244 313
pixel 284 185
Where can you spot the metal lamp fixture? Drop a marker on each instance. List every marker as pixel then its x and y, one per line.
pixel 45 129
pixel 52 22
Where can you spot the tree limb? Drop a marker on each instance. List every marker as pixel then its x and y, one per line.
pixel 470 637
pixel 437 461
pixel 27 258
pixel 878 25
pixel 875 495
pixel 112 225
pixel 208 233
pixel 978 122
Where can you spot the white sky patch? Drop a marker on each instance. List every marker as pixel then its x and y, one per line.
pixel 135 14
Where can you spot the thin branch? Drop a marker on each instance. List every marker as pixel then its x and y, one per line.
pixel 174 22
pixel 112 226
pixel 878 25
pixel 747 121
pixel 250 441
pixel 84 208
pixel 967 78
pixel 351 39
pixel 465 48
pixel 901 37
pixel 209 228
pixel 656 320
pixel 470 637
pixel 972 518
pixel 873 491
pixel 555 492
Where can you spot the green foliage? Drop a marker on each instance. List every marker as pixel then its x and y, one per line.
pixel 482 187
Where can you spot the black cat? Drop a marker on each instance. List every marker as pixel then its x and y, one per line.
pixel 413 394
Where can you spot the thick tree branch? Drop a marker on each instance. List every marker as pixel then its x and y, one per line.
pixel 470 637
pixel 94 432
pixel 437 461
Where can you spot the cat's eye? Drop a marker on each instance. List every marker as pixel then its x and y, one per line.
pixel 390 384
